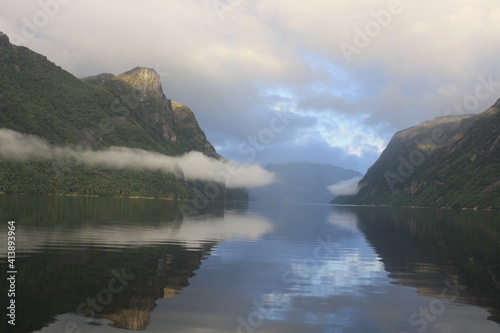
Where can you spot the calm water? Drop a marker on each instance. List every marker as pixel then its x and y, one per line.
pixel 109 265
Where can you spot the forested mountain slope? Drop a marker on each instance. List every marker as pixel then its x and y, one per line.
pixel 130 110
pixel 451 161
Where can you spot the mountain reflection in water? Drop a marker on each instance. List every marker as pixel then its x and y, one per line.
pixel 71 248
pixel 99 264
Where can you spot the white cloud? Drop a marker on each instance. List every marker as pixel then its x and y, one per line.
pixel 192 165
pixel 345 187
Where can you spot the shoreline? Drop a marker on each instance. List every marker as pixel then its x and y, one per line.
pixel 74 195
pixel 427 207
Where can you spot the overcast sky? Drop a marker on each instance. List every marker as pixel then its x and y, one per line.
pixel 275 81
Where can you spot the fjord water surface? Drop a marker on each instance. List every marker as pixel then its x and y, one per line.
pixel 108 265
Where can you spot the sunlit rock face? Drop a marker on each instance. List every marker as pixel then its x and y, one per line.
pixel 145 80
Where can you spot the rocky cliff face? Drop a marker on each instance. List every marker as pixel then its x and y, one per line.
pixel 141 90
pixel 146 81
pixel 185 120
pixel 447 162
pixel 128 110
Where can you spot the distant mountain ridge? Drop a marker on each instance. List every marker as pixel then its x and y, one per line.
pixel 301 182
pixel 129 110
pixel 450 161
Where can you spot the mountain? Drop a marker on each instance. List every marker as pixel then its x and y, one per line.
pixel 301 182
pixel 129 110
pixel 451 161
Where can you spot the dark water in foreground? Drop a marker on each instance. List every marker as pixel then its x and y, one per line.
pixel 106 265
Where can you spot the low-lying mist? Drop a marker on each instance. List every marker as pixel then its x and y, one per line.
pixel 345 187
pixel 190 166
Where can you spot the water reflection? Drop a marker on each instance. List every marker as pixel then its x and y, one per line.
pixel 146 264
pixel 327 275
pixel 110 260
pixel 353 274
pixel 436 250
pixel 191 234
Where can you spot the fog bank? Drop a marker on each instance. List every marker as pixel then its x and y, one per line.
pixel 345 187
pixel 190 166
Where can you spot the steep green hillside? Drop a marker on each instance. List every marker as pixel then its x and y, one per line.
pixel 130 110
pixel 447 162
